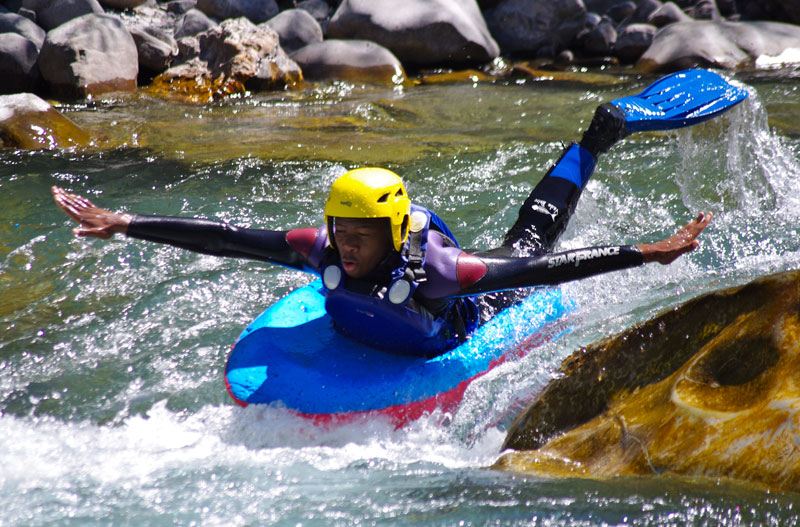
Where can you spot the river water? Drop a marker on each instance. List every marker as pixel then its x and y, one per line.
pixel 113 409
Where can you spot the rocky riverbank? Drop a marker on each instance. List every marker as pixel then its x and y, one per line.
pixel 204 49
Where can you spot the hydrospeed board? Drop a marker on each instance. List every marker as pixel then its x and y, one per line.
pixel 291 356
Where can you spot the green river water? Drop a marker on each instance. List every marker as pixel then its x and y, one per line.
pixel 113 409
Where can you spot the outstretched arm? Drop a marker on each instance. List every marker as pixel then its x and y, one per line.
pixel 485 274
pixel 216 238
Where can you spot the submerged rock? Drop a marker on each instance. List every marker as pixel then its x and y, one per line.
pixel 30 123
pixel 716 44
pixel 709 389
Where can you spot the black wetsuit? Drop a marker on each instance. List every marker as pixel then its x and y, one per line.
pixel 522 261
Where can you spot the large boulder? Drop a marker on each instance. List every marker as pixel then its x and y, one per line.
pixel 255 10
pixel 29 123
pixel 14 23
pixel 420 32
pixel 524 26
pixel 18 64
pixel 296 28
pixel 707 389
pixel 234 56
pixel 351 60
pixel 51 14
pixel 716 44
pixel 89 55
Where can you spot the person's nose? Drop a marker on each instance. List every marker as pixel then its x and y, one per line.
pixel 349 244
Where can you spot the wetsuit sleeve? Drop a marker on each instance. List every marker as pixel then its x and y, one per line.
pixel 484 274
pixel 218 239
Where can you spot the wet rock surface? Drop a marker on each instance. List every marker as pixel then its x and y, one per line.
pixel 230 56
pixel 30 123
pixel 352 60
pixel 709 388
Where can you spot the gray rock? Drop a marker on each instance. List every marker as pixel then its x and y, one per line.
pixel 706 10
pixel 255 10
pixel 667 14
pixel 319 9
pixel 717 44
pixel 188 48
pixel 51 14
pixel 633 41
pixel 30 14
pixel 121 4
pixel 523 26
pixel 418 31
pixel 600 40
pixel 600 6
pixel 18 64
pixel 231 55
pixel 13 23
pixel 193 23
pixel 156 51
pixel 643 12
pixel 296 28
pixel 352 60
pixel 89 55
pixel 180 7
pixel 621 11
pixel 592 20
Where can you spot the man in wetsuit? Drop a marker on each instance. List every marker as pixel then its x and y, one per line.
pixel 392 269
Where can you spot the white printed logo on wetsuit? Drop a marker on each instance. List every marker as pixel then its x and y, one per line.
pixel 577 257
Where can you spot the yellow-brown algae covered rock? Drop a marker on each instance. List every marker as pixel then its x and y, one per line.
pixel 232 56
pixel 455 77
pixel 30 123
pixel 710 388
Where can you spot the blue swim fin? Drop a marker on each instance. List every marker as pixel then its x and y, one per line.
pixel 681 99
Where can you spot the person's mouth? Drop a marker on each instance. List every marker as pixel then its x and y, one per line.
pixel 349 265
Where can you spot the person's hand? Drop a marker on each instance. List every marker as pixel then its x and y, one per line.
pixel 683 241
pixel 94 221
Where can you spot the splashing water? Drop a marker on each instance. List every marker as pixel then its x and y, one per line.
pixel 111 355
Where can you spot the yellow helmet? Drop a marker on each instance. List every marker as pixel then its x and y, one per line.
pixel 370 193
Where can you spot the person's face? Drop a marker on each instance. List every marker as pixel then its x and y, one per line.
pixel 362 244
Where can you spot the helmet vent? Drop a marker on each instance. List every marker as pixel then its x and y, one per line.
pixel 384 198
pixel 399 192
